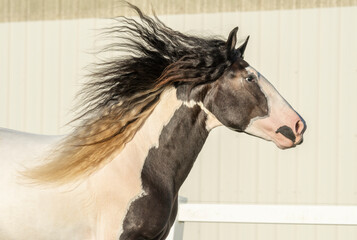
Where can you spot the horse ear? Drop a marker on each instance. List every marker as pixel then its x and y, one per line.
pixel 242 47
pixel 232 40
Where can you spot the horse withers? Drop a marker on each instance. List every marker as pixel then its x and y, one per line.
pixel 145 117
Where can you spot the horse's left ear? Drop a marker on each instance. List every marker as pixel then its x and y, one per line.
pixel 242 47
pixel 232 39
pixel 231 42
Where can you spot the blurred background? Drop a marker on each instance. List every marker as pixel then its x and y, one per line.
pixel 307 49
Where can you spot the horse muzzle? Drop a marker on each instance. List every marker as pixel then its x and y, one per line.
pixel 290 136
pixel 286 133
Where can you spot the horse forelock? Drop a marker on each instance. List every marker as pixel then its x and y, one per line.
pixel 124 91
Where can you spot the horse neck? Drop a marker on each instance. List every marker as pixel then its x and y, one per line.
pixel 180 142
pixel 164 150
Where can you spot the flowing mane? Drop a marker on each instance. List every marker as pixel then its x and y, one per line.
pixel 124 91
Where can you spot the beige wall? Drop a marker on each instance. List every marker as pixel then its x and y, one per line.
pixel 25 10
pixel 309 54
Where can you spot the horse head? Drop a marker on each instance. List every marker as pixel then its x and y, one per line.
pixel 243 100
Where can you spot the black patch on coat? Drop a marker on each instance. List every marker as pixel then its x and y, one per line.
pixel 287 132
pixel 164 171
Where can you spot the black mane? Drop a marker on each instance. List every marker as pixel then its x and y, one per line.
pixel 125 90
pixel 156 56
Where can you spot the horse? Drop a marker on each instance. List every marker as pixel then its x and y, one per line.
pixel 144 118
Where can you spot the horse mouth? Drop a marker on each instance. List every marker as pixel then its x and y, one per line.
pixel 286 143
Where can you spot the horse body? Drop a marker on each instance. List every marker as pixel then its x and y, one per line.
pixel 117 176
pixel 95 208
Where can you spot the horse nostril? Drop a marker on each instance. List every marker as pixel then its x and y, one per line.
pixel 299 126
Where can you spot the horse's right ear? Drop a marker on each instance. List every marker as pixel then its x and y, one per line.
pixel 231 41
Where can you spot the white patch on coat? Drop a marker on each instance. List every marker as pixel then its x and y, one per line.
pixel 211 121
pixel 92 209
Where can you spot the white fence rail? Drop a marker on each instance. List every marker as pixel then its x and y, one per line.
pixel 264 214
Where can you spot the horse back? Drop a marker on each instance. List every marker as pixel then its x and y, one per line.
pixel 23 148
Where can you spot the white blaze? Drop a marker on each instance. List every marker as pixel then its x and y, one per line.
pixel 280 113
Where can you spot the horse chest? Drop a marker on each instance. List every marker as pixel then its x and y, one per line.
pixel 133 212
pixel 127 203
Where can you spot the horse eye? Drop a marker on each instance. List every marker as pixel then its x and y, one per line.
pixel 250 78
